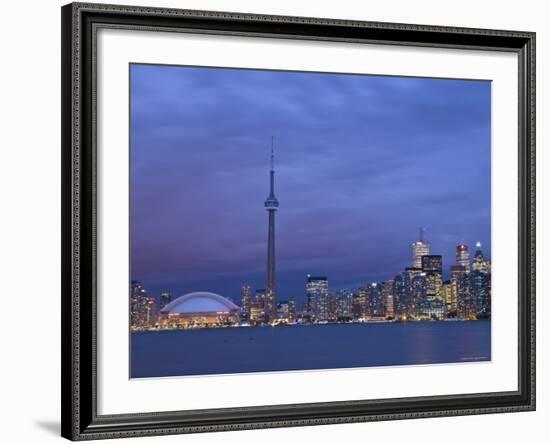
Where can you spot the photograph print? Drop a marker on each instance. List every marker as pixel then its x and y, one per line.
pixel 291 221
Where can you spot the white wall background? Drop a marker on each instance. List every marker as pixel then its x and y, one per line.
pixel 30 218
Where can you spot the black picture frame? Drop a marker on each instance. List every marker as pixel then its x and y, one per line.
pixel 79 210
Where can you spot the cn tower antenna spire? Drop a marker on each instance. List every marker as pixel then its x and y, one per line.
pixel 272 155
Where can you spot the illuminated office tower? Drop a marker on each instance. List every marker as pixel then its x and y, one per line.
pixel 344 305
pixel 317 295
pixel 432 266
pixel 387 298
pixel 257 313
pixel 375 307
pixel 165 299
pixel 447 293
pixel 456 272
pixel 137 304
pixel 479 262
pixel 282 310
pixel 406 297
pixel 463 256
pixel 257 307
pixel 398 290
pixel 149 311
pixel 332 307
pixel 420 248
pixel 481 283
pixel 245 302
pixel 356 305
pixel 432 310
pixel 271 204
pixel 363 302
pixel 418 293
pixel 291 310
pixel 480 289
pixel 461 288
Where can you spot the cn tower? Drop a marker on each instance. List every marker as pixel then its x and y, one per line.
pixel 271 204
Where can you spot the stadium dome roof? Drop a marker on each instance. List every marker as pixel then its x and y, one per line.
pixel 200 302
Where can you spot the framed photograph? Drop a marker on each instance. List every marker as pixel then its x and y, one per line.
pixel 281 221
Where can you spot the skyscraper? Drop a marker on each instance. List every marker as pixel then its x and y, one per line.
pixel 398 294
pixel 387 296
pixel 375 304
pixel 344 305
pixel 271 204
pixel 457 272
pixel 317 295
pixel 480 263
pixel 245 302
pixel 291 310
pixel 406 298
pixel 463 256
pixel 433 265
pixel 137 304
pixel 420 248
pixel 461 289
pixel 418 292
pixel 447 293
pixel 257 307
pixel 481 277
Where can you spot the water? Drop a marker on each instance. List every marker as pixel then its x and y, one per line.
pixel 307 347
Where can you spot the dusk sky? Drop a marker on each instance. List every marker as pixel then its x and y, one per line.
pixel 361 163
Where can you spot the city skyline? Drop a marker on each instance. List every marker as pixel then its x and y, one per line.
pixel 464 257
pixel 334 222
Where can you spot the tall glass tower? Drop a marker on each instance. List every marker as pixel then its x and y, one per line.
pixel 271 205
pixel 463 256
pixel 420 248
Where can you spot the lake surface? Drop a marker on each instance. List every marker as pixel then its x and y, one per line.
pixel 307 347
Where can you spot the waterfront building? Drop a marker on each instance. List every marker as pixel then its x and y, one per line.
pixel 332 307
pixel 375 305
pixel 257 313
pixel 481 278
pixel 431 310
pixel 432 266
pixel 418 292
pixel 456 271
pixel 387 298
pixel 165 299
pixel 138 305
pixel 317 294
pixel 282 310
pixel 406 297
pixel 480 263
pixel 356 304
pixel 463 256
pixel 450 302
pixel 344 305
pixel 271 205
pixel 149 311
pixel 245 302
pixel 292 310
pixel 480 293
pixel 363 302
pixel 420 248
pixel 461 287
pixel 200 309
pixel 259 301
pixel 398 289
